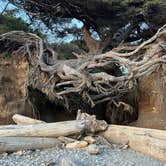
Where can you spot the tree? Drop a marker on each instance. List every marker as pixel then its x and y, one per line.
pixel 114 21
pixel 9 23
pixel 88 78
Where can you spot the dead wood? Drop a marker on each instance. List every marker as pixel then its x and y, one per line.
pixel 43 130
pixel 81 125
pixel 12 144
pixel 78 76
pixel 148 141
pixel 91 124
pixel 23 120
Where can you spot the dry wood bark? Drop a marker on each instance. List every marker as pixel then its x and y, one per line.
pixel 43 130
pixel 23 120
pixel 148 141
pixel 12 144
pixel 64 78
pixel 78 76
pixel 83 124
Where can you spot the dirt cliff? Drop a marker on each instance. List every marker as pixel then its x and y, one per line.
pixel 152 104
pixel 13 73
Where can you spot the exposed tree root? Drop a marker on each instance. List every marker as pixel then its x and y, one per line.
pixel 64 77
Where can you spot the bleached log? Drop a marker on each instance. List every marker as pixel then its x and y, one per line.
pixel 23 120
pixel 148 141
pixel 12 144
pixel 43 130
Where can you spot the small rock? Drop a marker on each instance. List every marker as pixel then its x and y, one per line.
pixel 50 164
pixel 92 149
pixel 20 152
pixel 67 162
pixel 5 154
pixel 90 140
pixel 77 144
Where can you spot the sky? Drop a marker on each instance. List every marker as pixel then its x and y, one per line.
pixel 2 5
pixel 51 37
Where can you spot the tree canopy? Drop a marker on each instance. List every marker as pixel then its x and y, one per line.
pixel 9 23
pixel 113 20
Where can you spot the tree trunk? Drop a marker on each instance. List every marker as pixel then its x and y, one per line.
pixel 87 76
pixel 12 144
pixel 92 44
pixel 43 130
pixel 148 141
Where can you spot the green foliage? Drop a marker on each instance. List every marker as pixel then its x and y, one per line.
pixel 65 50
pixel 5 55
pixel 155 12
pixel 9 23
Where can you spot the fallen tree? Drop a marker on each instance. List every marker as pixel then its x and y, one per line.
pixel 91 81
pixel 83 76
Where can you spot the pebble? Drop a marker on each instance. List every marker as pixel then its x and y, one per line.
pixel 107 157
pixel 77 144
pixel 92 149
pixel 90 140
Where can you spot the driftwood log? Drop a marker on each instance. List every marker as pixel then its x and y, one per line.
pixel 12 144
pixel 23 120
pixel 84 123
pixel 148 141
pixel 43 130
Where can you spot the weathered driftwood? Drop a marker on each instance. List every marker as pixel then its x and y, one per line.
pixel 43 130
pixel 11 144
pixel 91 124
pixel 77 144
pixel 148 141
pixel 75 127
pixel 23 120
